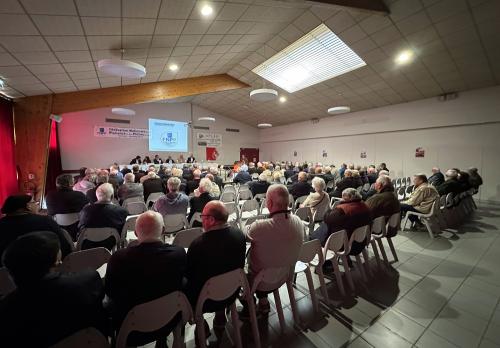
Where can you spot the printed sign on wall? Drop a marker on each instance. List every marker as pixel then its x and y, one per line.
pixel 118 132
pixel 212 154
pixel 209 139
pixel 420 152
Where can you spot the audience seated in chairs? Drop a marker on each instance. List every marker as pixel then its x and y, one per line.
pixel 102 177
pixel 318 201
pixel 349 181
pixel 420 200
pixel 130 188
pixel 275 241
pixel 242 177
pixel 142 273
pixel 260 186
pixel 301 187
pixel 174 202
pixel 475 179
pixel 372 175
pixel 327 175
pixel 102 214
pixel 215 190
pixel 200 199
pixel 384 202
pixel 138 174
pixel 348 215
pixel 19 220
pixel 451 184
pixel 64 200
pixel 194 183
pixel 47 306
pixel 220 249
pixel 86 183
pixel 463 180
pixel 437 178
pixel 151 184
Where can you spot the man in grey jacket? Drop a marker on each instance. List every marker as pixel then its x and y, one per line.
pixel 130 188
pixel 174 202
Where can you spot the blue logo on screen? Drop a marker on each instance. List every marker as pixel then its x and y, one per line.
pixel 169 138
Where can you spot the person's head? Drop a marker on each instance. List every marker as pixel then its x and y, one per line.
pixel 177 172
pixel 196 173
pixel 348 173
pixel 82 171
pixel 327 170
pixel 205 185
pixel 435 170
pixel 383 182
pixel 152 168
pixel 137 157
pixel 152 175
pixel 156 156
pixel 209 177
pixel 351 166
pixel 104 192
pixel 472 171
pixel 149 226
pixel 371 170
pixel 451 174
pixel 16 204
pixel 277 176
pixel 102 177
pixel 262 177
pixel 135 168
pixel 31 256
pixel 419 179
pixel 383 166
pixel 355 173
pixel 214 214
pixel 302 176
pixel 350 194
pixel 64 181
pixel 277 197
pixel 173 184
pixel 383 173
pixel 318 184
pixel 244 168
pixel 113 172
pixel 213 170
pixel 318 170
pixel 129 178
pixel 251 165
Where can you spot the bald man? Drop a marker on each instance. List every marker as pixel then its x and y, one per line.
pixel 220 249
pixel 144 272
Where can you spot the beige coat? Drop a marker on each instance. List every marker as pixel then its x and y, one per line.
pixel 319 203
pixel 422 198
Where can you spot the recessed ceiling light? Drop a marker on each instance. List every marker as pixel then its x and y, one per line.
pixel 404 57
pixel 263 94
pixel 207 10
pixel 123 111
pixel 339 110
pixel 173 67
pixel 317 56
pixel 206 118
pixel 282 99
pixel 264 125
pixel 122 68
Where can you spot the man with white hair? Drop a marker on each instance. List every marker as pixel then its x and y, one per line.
pixel 200 199
pixel 384 202
pixel 174 202
pixel 242 177
pixel 451 184
pixel 86 183
pixel 142 273
pixel 260 186
pixel 130 188
pixel 102 177
pixel 103 214
pixel 437 178
pixel 349 181
pixel 275 241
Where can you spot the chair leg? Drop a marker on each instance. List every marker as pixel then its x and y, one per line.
pixel 253 321
pixel 347 271
pixel 200 332
pixel 338 276
pixel 310 285
pixel 359 266
pixel 382 250
pixel 404 222
pixel 427 224
pixel 366 263
pixel 324 291
pixel 393 249
pixel 375 252
pixel 279 309
pixel 178 338
pixel 236 325
pixel 293 303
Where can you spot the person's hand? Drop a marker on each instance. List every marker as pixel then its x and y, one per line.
pixel 197 193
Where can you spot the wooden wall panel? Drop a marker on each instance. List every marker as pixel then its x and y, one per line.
pixel 32 126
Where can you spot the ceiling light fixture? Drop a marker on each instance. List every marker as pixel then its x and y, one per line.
pixel 206 10
pixel 404 57
pixel 339 110
pixel 264 125
pixel 263 94
pixel 123 111
pixel 317 56
pixel 121 68
pixel 282 99
pixel 206 118
pixel 173 67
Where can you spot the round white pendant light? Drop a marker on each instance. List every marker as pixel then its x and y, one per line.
pixel 121 68
pixel 123 111
pixel 264 125
pixel 339 110
pixel 263 94
pixel 207 118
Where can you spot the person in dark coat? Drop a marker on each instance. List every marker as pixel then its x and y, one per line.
pixel 194 183
pixel 152 184
pixel 437 178
pixel 47 306
pixel 301 187
pixel 136 160
pixel 260 186
pixel 242 177
pixel 475 179
pixel 451 184
pixel 200 199
pixel 347 182
pixel 384 202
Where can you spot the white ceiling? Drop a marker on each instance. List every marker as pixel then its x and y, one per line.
pixel 52 46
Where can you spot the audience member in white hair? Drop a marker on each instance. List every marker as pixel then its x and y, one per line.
pixel 260 186
pixel 86 183
pixel 318 201
pixel 242 177
pixel 174 202
pixel 200 199
pixel 130 188
pixel 102 177
pixel 215 191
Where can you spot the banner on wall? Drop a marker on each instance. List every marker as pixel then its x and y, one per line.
pixel 420 152
pixel 209 139
pixel 118 132
pixel 212 153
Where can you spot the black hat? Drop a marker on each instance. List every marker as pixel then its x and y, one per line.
pixel 16 202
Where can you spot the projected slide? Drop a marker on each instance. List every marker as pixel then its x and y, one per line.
pixel 165 135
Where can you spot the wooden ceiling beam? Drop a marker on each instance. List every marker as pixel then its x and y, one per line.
pixel 144 92
pixel 369 5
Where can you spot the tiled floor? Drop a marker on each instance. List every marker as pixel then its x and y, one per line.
pixel 442 293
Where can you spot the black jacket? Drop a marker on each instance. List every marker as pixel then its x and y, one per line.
pixel 436 179
pixel 242 177
pixel 347 182
pixel 257 187
pixel 152 185
pixel 300 188
pixel 197 204
pixel 449 186
pixel 65 201
pixel 192 185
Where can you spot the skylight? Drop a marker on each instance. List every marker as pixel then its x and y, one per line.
pixel 316 57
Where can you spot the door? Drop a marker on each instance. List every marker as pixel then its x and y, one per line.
pixel 249 154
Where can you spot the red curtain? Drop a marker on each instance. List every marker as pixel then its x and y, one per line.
pixel 8 174
pixel 54 167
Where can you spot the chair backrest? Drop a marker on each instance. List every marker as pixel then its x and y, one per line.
pixel 393 225
pixel 330 185
pixel 260 196
pixel 153 197
pixel 128 226
pixel 378 226
pixel 409 189
pixel 304 213
pixel 96 235
pixel 291 201
pixel 174 222
pixel 255 176
pixel 132 199
pixel 89 337
pixel 359 234
pixel 300 200
pixel 153 315
pixel 250 205
pixel 243 187
pixel 252 219
pixel 185 237
pixel 6 283
pixel 227 196
pixel 336 242
pixel 449 200
pixel 66 219
pixel 221 287
pixel 289 181
pixel 196 217
pixel 68 239
pixel 85 259
pixel 366 187
pixel 229 188
pixel 135 208
pixel 403 182
pixel 359 189
pixel 270 279
pixel 310 250
pixel 398 182
pixel 244 195
pixel 232 208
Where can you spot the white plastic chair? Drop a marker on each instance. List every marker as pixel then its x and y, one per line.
pixel 249 208
pixel 89 337
pixel 233 211
pixel 66 219
pixel 97 235
pixel 291 201
pixel 128 226
pixel 263 207
pixel 251 220
pixel 174 223
pixel 334 201
pixel 6 283
pixel 299 201
pixel 154 315
pixel 401 193
pixel 311 254
pixel 376 234
pixel 222 287
pixel 152 198
pixel 135 208
pixel 243 195
pixel 360 235
pixel 336 247
pixel 260 196
pixel 132 199
pixel 196 217
pixel 391 229
pixel 305 214
pixel 185 237
pixel 430 219
pixel 228 196
pixel 229 188
pixel 85 259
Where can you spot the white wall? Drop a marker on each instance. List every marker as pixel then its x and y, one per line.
pixel 80 148
pixel 458 133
